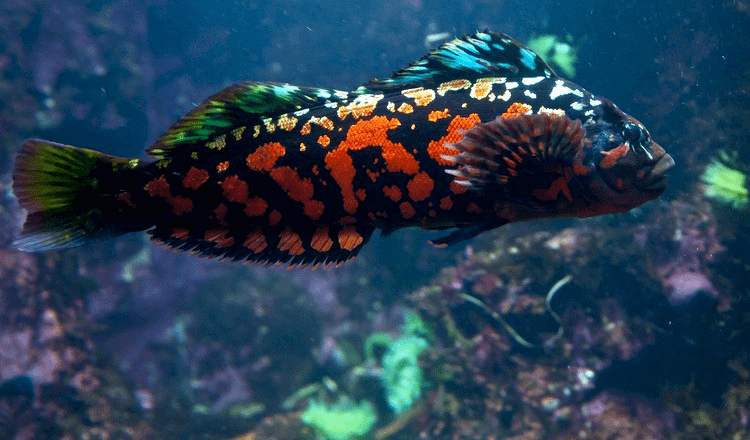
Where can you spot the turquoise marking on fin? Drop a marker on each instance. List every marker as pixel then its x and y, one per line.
pixel 484 54
pixel 243 104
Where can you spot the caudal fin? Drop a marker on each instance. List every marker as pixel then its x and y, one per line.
pixel 60 187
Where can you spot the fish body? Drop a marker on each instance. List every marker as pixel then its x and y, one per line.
pixel 477 134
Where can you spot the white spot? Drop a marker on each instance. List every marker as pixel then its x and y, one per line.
pixel 302 112
pixel 595 102
pixel 511 85
pixel 505 96
pixel 331 104
pixel 532 81
pixel 560 89
pixel 589 113
pixel 341 95
pixel 530 94
pixel 578 106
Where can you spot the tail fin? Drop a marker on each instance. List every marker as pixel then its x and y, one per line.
pixel 60 187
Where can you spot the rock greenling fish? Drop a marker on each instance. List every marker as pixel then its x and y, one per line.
pixel 479 133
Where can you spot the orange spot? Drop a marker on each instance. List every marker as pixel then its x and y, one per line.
pixel 219 236
pixel 420 187
pixel 195 178
pixel 274 218
pixel 560 185
pixel 405 108
pixel 126 198
pixel 290 241
pixel 349 238
pixel 306 127
pixel 407 211
pixel 255 207
pixel 222 166
pixel 361 194
pixel 367 133
pixel 180 233
pixel 446 203
pixel 324 140
pixel 454 85
pixel 420 95
pixel 373 175
pixel 509 162
pixel 160 188
pixel 473 208
pixel 256 241
pixel 612 156
pixel 436 115
pixel 324 122
pixel 392 192
pixel 457 188
pixel 516 109
pixel 321 241
pixel 298 189
pixel 286 122
pixel 579 169
pixel 264 157
pixel 220 212
pixel 235 190
pixel 437 149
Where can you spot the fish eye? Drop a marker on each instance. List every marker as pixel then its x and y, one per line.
pixel 632 133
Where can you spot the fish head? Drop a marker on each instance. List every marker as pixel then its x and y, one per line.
pixel 629 168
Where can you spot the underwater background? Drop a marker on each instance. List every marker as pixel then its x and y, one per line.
pixel 630 326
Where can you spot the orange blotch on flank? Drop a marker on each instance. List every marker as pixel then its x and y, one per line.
pixel 256 241
pixel 220 212
pixel 255 207
pixel 457 188
pixel 264 157
pixel 321 241
pixel 405 108
pixel 195 178
pixel 361 194
pixel 222 166
pixel 349 238
pixel 298 189
pixel 560 185
pixel 420 95
pixel 289 241
pixel 324 140
pixel 158 188
pixel 420 186
pixel 516 109
pixel 436 115
pixel 407 211
pixel 126 198
pixel 364 134
pixel 473 208
pixel 437 149
pixel 446 203
pixel 220 237
pixel 274 218
pixel 612 156
pixel 181 205
pixel 392 192
pixel 235 190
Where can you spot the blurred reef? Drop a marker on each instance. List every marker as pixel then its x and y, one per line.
pixel 124 340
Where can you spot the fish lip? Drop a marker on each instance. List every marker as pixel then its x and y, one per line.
pixel 655 179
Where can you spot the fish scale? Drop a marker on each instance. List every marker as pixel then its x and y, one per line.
pixel 477 134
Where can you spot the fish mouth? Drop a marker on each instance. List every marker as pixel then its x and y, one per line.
pixel 655 179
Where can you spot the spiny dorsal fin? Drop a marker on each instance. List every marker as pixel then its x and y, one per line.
pixel 242 104
pixel 484 54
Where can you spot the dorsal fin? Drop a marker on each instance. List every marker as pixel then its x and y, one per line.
pixel 242 104
pixel 484 54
